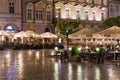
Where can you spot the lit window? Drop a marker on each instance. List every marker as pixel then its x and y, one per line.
pixel 48 15
pixel 102 16
pixel 67 13
pixel 93 15
pixel 39 14
pixel 10 29
pixel 77 14
pixel 11 7
pixel 86 15
pixel 29 14
pixel 58 13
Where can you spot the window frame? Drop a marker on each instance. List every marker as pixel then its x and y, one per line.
pixel 67 13
pixel 58 13
pixel 38 14
pixel 77 14
pixel 29 14
pixel 48 15
pixel 11 5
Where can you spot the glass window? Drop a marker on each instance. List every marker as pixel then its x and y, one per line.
pixel 29 14
pixel 39 14
pixel 77 14
pixel 11 7
pixel 67 13
pixel 93 15
pixel 86 15
pixel 58 13
pixel 111 8
pixel 48 15
pixel 102 16
pixel 36 14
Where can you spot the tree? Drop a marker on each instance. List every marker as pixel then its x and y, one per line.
pixel 118 20
pixel 111 22
pixel 67 27
pixel 70 25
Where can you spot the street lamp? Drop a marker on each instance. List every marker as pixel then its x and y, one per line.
pixel 53 5
pixel 67 31
pixel 118 41
pixel 56 48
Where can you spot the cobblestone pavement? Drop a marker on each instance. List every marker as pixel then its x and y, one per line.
pixel 36 65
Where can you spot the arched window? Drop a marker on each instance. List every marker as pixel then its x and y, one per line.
pixel 77 14
pixel 9 29
pixel 93 15
pixel 29 11
pixel 48 12
pixel 47 30
pixel 48 15
pixel 11 7
pixel 102 16
pixel 29 14
pixel 86 15
pixel 39 14
pixel 67 13
pixel 58 13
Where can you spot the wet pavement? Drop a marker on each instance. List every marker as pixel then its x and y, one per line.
pixel 36 65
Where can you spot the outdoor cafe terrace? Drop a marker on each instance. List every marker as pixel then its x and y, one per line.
pixel 84 37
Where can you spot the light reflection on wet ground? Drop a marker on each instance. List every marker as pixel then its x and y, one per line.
pixel 36 65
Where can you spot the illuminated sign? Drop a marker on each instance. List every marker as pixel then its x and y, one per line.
pixel 10 29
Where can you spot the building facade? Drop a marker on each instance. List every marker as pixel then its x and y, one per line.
pixel 114 8
pixel 38 15
pixel 10 15
pixel 90 12
pixel 41 15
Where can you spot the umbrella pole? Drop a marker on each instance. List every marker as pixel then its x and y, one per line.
pixel 43 43
pixel 86 43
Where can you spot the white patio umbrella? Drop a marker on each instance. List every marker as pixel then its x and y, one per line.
pixel 97 38
pixel 21 34
pixel 86 32
pixel 113 31
pixel 48 35
pixel 11 36
pixel 31 34
pixel 3 33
